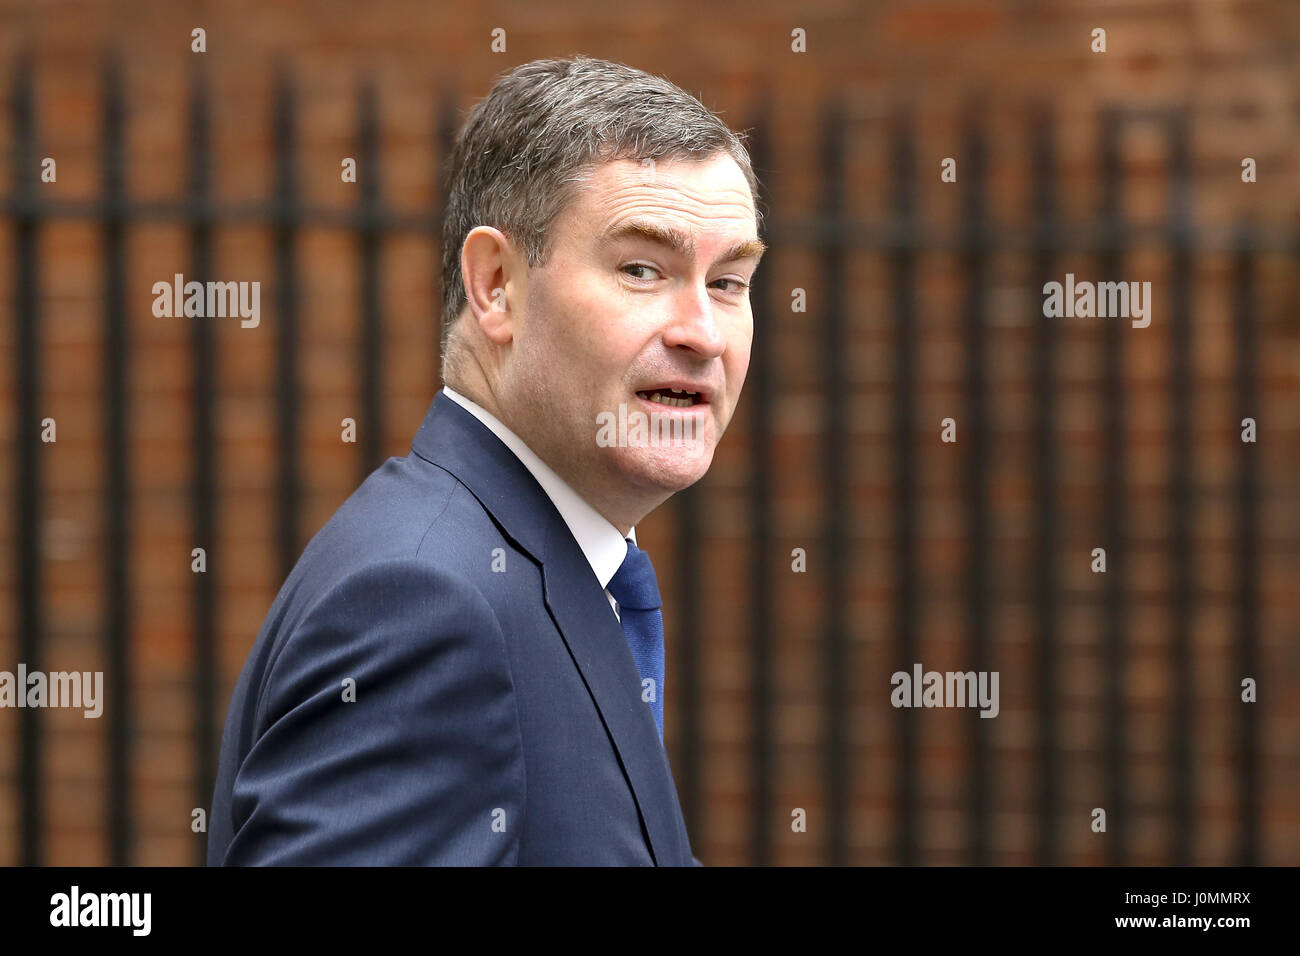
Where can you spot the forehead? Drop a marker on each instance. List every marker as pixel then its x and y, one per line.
pixel 706 198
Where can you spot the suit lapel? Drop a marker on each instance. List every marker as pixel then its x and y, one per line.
pixel 452 438
pixel 600 650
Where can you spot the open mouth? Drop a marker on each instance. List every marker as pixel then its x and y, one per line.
pixel 674 397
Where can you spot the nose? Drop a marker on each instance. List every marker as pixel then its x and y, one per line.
pixel 693 325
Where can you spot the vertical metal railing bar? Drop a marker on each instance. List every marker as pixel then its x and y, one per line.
pixel 1114 512
pixel 980 435
pixel 203 494
pixel 837 513
pixel 906 572
pixel 370 239
pixel 1247 541
pixel 284 238
pixel 29 621
pixel 1181 731
pixel 758 393
pixel 1047 493
pixel 445 122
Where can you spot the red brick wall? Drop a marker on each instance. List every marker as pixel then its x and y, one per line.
pixel 1232 63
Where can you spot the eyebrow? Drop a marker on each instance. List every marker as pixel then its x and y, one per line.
pixel 680 242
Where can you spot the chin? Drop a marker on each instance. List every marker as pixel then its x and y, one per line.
pixel 668 469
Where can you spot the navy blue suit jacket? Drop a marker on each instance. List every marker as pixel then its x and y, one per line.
pixel 497 715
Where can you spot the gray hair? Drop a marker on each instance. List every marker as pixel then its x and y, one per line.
pixel 541 130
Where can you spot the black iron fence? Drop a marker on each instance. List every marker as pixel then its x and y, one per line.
pixel 900 238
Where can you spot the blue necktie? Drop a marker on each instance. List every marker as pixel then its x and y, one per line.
pixel 636 590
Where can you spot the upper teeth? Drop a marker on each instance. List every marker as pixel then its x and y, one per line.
pixel 657 395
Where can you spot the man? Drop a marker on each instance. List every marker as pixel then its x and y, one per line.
pixel 466 664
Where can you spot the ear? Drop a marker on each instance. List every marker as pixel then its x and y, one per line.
pixel 490 269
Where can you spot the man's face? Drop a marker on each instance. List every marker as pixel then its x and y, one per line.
pixel 617 312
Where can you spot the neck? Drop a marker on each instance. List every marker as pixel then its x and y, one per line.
pixel 472 382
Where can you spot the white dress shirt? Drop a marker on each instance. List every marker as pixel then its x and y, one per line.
pixel 601 543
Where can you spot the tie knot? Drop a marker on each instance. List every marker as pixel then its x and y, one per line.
pixel 634 584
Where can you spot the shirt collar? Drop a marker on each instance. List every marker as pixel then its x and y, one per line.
pixel 601 543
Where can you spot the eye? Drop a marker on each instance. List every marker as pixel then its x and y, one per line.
pixel 639 265
pixel 740 286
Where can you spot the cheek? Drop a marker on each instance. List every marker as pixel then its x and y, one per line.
pixel 580 322
pixel 739 347
pixel 548 342
pixel 610 343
